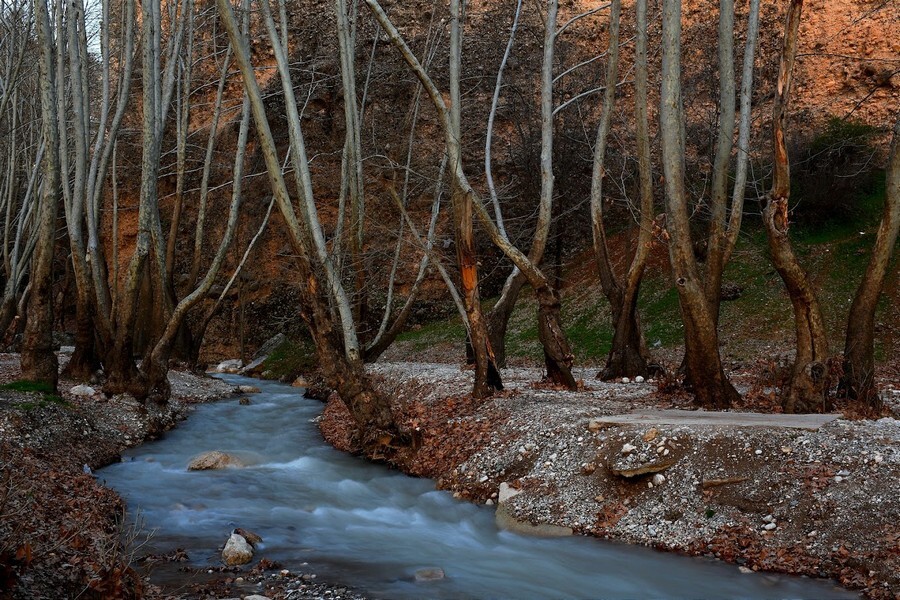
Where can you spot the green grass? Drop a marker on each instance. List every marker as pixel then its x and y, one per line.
pixel 46 396
pixel 436 332
pixel 290 359
pixel 835 254
pixel 23 385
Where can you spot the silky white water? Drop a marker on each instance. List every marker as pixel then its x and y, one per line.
pixel 372 528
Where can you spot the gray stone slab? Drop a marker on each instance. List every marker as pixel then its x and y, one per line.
pixel 735 419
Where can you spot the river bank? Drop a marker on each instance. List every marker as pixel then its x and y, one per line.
pixel 819 500
pixel 63 534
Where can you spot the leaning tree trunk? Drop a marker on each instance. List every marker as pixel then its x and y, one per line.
pixel 809 380
pixel 38 359
pixel 710 384
pixel 858 380
pixel 339 357
pixel 557 353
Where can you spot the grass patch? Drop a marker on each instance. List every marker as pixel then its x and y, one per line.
pixel 289 360
pixel 23 385
pixel 445 330
pixel 46 396
pixel 660 313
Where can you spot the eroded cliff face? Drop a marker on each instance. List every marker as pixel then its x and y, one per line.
pixel 847 68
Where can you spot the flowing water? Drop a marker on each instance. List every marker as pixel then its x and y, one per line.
pixel 372 528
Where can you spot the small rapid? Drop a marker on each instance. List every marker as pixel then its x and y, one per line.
pixel 372 528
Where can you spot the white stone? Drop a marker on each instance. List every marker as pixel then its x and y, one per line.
pixel 639 379
pixel 506 492
pixel 659 479
pixel 232 365
pixel 628 448
pixel 769 526
pixel 745 570
pixel 237 551
pixel 626 380
pixel 83 391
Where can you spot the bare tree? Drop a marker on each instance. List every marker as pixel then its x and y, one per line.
pixel 339 354
pixel 858 380
pixel 557 353
pixel 38 359
pixel 809 380
pixel 710 384
pixel 628 355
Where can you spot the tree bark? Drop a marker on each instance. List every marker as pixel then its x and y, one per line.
pixel 486 372
pixel 122 373
pixel 704 365
pixel 858 379
pixel 38 359
pixel 809 382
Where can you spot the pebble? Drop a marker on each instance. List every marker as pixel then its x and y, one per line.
pixel 758 452
pixel 659 479
pixel 628 448
pixel 626 380
pixel 639 379
pixel 769 526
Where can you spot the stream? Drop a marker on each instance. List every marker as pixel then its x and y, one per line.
pixel 366 526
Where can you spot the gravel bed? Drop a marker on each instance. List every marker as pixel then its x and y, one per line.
pixel 819 503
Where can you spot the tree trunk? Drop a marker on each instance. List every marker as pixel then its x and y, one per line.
pixel 38 359
pixel 704 365
pixel 462 202
pixel 628 354
pixel 85 360
pixel 858 380
pixel 809 382
pixel 499 315
pixel 342 363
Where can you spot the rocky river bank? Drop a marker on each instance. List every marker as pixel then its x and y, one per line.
pixel 815 497
pixel 64 535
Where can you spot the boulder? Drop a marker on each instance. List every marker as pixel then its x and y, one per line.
pixel 254 366
pixel 252 538
pixel 214 460
pixel 83 391
pixel 237 551
pixel 271 344
pixel 300 382
pixel 232 365
pixel 248 389
pixel 430 574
